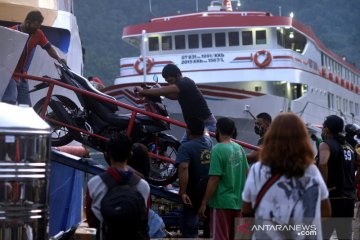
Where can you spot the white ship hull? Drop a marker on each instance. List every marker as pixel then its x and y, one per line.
pixel 228 86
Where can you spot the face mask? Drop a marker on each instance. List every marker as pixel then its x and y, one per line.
pixel 259 130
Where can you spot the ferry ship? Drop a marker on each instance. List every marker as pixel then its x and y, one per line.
pixel 60 27
pixel 244 63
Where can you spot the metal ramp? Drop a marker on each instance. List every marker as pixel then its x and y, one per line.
pixel 90 166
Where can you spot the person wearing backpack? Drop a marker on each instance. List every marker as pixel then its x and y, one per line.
pixel 116 200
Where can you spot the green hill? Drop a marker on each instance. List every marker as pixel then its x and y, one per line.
pixel 101 24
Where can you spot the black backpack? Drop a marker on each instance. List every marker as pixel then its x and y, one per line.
pixel 123 208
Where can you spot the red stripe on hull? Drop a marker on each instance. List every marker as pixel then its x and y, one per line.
pixel 200 86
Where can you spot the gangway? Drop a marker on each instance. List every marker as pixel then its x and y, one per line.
pixel 91 166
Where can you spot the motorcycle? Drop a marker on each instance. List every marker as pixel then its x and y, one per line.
pixel 97 121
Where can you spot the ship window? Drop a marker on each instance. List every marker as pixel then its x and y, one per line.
pixel 180 42
pixel 193 40
pixel 153 44
pixel 247 38
pixel 166 43
pixel 330 100
pixel 233 39
pixel 261 37
pixel 291 39
pixel 345 105
pixel 351 107
pixel 338 103
pixel 220 40
pixel 206 40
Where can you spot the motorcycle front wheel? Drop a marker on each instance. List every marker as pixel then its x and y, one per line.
pixel 163 173
pixel 60 135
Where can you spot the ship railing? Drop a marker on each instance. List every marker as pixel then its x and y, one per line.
pixel 134 112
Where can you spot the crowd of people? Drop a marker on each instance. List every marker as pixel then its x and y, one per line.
pixel 283 185
pixel 280 184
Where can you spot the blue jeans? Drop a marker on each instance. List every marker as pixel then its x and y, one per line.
pixel 17 91
pixel 210 125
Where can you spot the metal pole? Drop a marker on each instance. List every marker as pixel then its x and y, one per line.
pixel 197 5
pixel 150 8
pixel 143 52
pixel 279 10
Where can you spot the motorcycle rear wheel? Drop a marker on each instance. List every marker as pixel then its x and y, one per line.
pixel 163 173
pixel 60 135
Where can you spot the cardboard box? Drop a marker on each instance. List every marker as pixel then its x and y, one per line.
pixel 85 233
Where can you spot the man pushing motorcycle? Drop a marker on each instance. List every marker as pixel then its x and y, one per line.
pixel 183 89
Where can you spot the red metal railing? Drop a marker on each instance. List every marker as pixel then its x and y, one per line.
pixel 134 110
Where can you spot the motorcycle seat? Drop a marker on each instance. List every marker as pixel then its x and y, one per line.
pixel 145 119
pixel 83 83
pixel 117 120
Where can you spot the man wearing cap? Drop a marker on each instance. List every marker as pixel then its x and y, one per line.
pixel 183 89
pixel 337 166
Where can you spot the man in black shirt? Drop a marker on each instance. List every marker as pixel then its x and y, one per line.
pixel 337 166
pixel 183 89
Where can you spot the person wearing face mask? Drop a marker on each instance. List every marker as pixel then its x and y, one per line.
pixel 183 89
pixel 337 166
pixel 18 87
pixel 262 123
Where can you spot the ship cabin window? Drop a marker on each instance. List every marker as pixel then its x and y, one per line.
pixel 247 38
pixel 345 105
pixel 338 103
pixel 193 40
pixel 220 39
pixel 166 43
pixel 261 37
pixel 180 42
pixel 330 100
pixel 351 107
pixel 153 44
pixel 206 40
pixel 289 38
pixel 234 39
